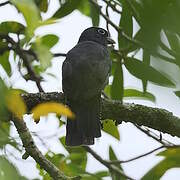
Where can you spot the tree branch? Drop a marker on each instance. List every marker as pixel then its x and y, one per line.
pixel 112 5
pixel 143 155
pixel 4 3
pixel 137 157
pixel 155 118
pixel 154 136
pixel 110 166
pixel 59 54
pixel 33 151
pixel 22 54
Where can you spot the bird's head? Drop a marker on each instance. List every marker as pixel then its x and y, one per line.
pixel 96 34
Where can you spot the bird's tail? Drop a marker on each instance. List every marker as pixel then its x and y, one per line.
pixel 86 126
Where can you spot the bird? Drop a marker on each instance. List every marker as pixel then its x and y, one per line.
pixel 85 73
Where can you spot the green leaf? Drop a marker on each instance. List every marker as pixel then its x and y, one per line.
pixel 5 138
pixel 4 134
pixel 146 60
pixel 77 151
pixel 136 47
pixel 101 174
pixel 90 10
pixel 48 40
pixel 3 46
pixel 173 40
pixel 95 176
pixel 14 99
pixel 79 159
pixel 112 157
pixel 47 22
pixel 8 170
pixel 126 24
pixel 107 90
pixel 11 27
pixel 4 61
pixel 172 160
pixel 138 94
pixel 71 169
pixel 43 53
pixel 4 115
pixel 145 72
pixel 177 93
pixel 136 9
pixel 55 159
pixel 31 14
pixel 95 14
pixel 84 8
pixel 42 4
pixel 44 56
pixel 68 7
pixel 72 165
pixel 117 88
pixel 110 128
pixel 158 171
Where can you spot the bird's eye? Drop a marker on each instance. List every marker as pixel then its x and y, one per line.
pixel 101 31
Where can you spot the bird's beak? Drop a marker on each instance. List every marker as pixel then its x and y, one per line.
pixel 110 41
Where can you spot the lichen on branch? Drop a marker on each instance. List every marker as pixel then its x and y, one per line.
pixel 155 118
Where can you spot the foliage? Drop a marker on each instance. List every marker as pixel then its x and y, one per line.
pixel 157 37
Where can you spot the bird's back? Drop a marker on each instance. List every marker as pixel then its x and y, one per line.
pixel 85 70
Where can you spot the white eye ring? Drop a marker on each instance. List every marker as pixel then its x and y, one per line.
pixel 101 31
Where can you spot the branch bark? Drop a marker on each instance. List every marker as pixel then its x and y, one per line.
pixel 4 3
pixel 156 118
pixel 33 151
pixel 109 165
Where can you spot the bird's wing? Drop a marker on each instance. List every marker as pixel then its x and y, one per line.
pixel 85 70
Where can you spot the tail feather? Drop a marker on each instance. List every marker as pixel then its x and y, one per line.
pixel 86 125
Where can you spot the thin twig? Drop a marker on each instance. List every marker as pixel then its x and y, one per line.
pixel 111 167
pixel 136 14
pixel 41 140
pixel 143 155
pixel 23 56
pixel 137 157
pixel 5 3
pixel 113 6
pixel 107 14
pixel 154 136
pixel 59 54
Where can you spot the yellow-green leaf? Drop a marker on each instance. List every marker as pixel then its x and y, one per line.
pixel 42 50
pixel 171 160
pixel 136 94
pixel 8 170
pixel 42 5
pixel 51 107
pixel 15 103
pixel 110 128
pixel 11 27
pixel 117 88
pixel 30 12
pixel 4 61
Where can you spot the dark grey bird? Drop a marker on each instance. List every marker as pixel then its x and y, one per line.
pixel 85 72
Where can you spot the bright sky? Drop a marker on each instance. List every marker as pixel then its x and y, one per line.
pixel 132 142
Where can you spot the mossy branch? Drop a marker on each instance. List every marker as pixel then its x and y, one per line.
pixel 156 118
